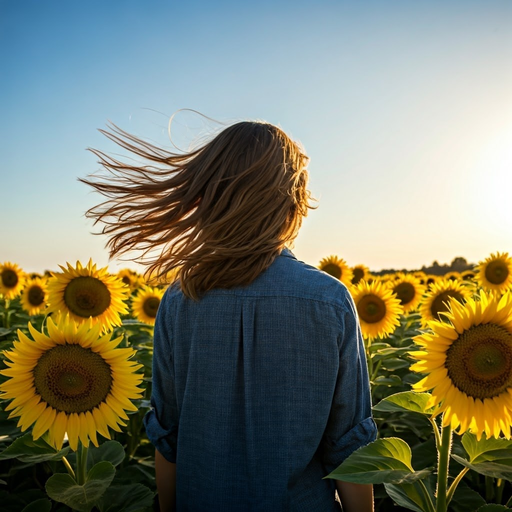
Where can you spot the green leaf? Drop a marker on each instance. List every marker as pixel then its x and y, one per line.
pixel 490 457
pixel 405 401
pixel 385 460
pixel 42 505
pixel 465 499
pixel 62 488
pixel 395 364
pixel 410 496
pixel 126 498
pixel 109 450
pixel 477 450
pixel 492 507
pixel 26 449
pixel 390 380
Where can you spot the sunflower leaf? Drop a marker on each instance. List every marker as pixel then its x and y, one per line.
pixel 493 507
pixel 112 451
pixel 405 401
pixel 126 498
pixel 490 457
pixel 410 496
pixel 386 460
pixel 62 488
pixel 26 449
pixel 42 505
pixel 486 449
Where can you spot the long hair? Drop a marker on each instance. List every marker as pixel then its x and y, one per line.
pixel 217 215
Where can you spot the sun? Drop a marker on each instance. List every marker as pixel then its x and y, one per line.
pixel 469 365
pixel 435 301
pixel 409 291
pixel 495 273
pixel 34 296
pixel 338 268
pixel 85 292
pixel 145 304
pixel 378 309
pixel 72 380
pixel 12 279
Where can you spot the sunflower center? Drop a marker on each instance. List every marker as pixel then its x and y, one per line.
pixel 358 275
pixel 87 296
pixel 9 278
pixel 126 280
pixel 332 270
pixel 496 272
pixel 371 309
pixel 479 362
pixel 150 306
pixel 35 295
pixel 405 292
pixel 440 303
pixel 71 378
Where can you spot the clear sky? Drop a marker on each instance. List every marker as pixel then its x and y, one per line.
pixel 404 107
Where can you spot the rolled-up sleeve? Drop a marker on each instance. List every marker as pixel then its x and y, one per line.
pixel 350 425
pixel 161 421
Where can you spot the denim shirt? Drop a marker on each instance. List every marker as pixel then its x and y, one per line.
pixel 260 391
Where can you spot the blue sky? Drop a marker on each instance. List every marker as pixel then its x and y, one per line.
pixel 405 108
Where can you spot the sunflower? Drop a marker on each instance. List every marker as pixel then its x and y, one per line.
pixel 453 276
pixel 130 278
pixel 360 272
pixel 495 273
pixel 73 380
pixel 435 300
pixel 34 296
pixel 85 292
pixel 421 276
pixel 469 365
pixel 431 279
pixel 468 275
pixel 337 268
pixel 409 291
pixel 12 279
pixel 378 309
pixel 145 304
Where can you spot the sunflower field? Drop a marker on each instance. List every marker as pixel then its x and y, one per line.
pixel 75 385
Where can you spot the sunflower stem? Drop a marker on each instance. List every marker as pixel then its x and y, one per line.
pixel 436 431
pixel 489 488
pixel 430 505
pixel 455 483
pixel 81 463
pixel 69 468
pixel 442 468
pixel 7 315
pixel 500 485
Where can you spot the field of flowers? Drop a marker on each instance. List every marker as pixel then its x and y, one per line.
pixel 75 384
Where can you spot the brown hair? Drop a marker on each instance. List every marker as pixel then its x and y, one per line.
pixel 219 214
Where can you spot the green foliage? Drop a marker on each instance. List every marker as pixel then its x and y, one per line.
pixel 42 505
pixel 126 498
pixel 405 401
pixel 490 457
pixel 26 449
pixel 63 488
pixel 383 461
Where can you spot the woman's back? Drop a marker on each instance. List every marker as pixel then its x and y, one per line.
pixel 254 391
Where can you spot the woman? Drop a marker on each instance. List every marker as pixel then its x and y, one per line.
pixel 260 386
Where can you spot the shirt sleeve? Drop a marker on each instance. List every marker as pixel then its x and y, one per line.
pixel 350 425
pixel 161 421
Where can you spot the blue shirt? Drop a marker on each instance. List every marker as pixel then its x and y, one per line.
pixel 260 391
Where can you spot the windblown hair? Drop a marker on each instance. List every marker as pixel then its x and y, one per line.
pixel 217 215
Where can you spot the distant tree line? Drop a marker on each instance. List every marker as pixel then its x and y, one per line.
pixel 459 264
